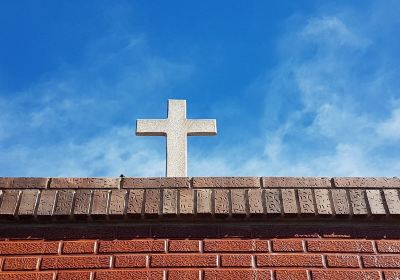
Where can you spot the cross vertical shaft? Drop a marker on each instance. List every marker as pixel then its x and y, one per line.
pixel 176 128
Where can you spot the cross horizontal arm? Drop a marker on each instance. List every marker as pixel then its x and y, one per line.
pixel 151 127
pixel 201 127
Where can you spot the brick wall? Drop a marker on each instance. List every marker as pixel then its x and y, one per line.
pixel 209 258
pixel 200 228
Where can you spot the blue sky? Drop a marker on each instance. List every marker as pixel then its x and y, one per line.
pixel 298 88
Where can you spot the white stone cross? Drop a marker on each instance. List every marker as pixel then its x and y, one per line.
pixel 176 128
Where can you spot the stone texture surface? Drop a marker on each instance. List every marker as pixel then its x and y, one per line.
pixel 85 183
pixel 296 182
pixel 226 182
pixel 30 183
pixel 221 202
pixel 28 202
pixel 83 199
pixel 227 198
pixel 64 202
pixel 323 202
pixel 176 128
pixel 155 183
pixel 238 201
pixel 46 203
pixel 366 182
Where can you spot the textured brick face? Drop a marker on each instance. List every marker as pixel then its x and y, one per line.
pixel 308 258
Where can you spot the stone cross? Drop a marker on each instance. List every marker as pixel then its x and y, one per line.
pixel 176 128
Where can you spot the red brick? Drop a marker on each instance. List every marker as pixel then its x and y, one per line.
pixel 236 260
pixel 388 246
pixel 364 246
pixel 20 263
pixel 342 261
pixel 184 246
pixel 129 275
pixel 130 261
pixel 345 274
pixel 287 245
pixel 73 275
pixel 289 260
pixel 27 276
pixel 234 274
pixel 28 247
pixel 291 274
pixel 75 262
pixel 392 261
pixel 187 274
pixel 85 183
pixel 78 247
pixel 183 260
pixel 392 275
pixel 235 245
pixel 130 246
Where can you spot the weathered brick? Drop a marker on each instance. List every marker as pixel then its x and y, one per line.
pixel 152 204
pixel 183 260
pixel 82 202
pixel 155 183
pixel 226 182
pixel 117 202
pixel 289 260
pixel 296 182
pixel 27 276
pixel 28 247
pixel 78 247
pixel 5 182
pixel 234 274
pixel 255 201
pixel 238 201
pixel 186 202
pixel 84 183
pixel 375 202
pixel 236 260
pixel 100 202
pixel 272 202
pixel 74 262
pixel 20 263
pixel 130 246
pixel 126 261
pixel 170 200
pixel 366 182
pixel 392 201
pixel 287 245
pixel 187 274
pixel 46 203
pixel 387 261
pixel 289 202
pixel 221 202
pixel 291 274
pixel 28 202
pixel 349 246
pixel 306 201
pixel 235 245
pixel 184 245
pixel 340 202
pixel 388 246
pixel 64 202
pixel 342 261
pixel 358 203
pixel 203 202
pixel 135 202
pixel 392 275
pixel 129 274
pixel 345 274
pixel 322 202
pixel 29 183
pixel 74 275
pixel 9 202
